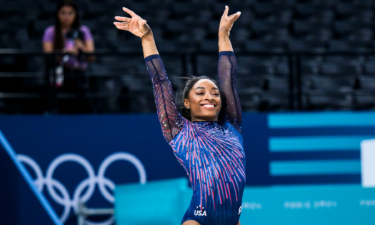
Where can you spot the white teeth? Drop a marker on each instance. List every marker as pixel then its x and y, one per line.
pixel 208 106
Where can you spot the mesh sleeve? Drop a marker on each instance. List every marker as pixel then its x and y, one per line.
pixel 227 70
pixel 171 121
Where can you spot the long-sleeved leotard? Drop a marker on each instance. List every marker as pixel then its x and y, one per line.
pixel 211 153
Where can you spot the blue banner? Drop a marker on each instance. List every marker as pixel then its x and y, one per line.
pixel 81 158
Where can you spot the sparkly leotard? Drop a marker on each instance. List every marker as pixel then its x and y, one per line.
pixel 210 152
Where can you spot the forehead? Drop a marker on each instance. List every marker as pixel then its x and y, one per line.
pixel 206 83
pixel 67 8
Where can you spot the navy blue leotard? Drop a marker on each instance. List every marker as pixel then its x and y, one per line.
pixel 211 153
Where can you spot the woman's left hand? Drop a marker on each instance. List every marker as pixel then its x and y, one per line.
pixel 226 22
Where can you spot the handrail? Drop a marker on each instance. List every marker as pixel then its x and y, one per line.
pixel 111 52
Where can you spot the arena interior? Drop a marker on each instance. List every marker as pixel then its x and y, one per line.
pixel 306 82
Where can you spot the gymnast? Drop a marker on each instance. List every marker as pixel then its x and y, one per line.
pixel 206 134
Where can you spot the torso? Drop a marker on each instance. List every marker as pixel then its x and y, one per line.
pixel 214 159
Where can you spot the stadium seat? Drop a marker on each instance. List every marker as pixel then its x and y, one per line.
pixel 251 102
pixel 246 18
pixel 364 100
pixel 362 38
pixel 310 66
pixel 260 69
pixel 47 9
pixel 181 9
pixel 325 16
pixel 296 45
pixel 195 35
pixel 31 44
pixel 345 27
pixel 276 84
pixel 319 35
pixel 175 26
pixel 17 7
pixel 213 27
pixel 367 82
pixel 206 65
pixel 265 46
pixel 240 35
pixel 302 27
pixel 264 9
pixel 261 27
pixel 249 85
pixel 350 8
pixel 340 68
pixel 323 100
pixel 274 101
pixel 309 8
pixel 40 26
pixel 369 67
pixel 328 83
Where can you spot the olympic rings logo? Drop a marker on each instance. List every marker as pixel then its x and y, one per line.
pixel 87 184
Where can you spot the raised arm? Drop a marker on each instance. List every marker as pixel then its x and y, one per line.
pixel 170 120
pixel 227 70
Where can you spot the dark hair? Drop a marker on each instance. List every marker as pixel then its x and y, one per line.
pixel 184 94
pixel 58 42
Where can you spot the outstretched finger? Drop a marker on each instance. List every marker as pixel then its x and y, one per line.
pixel 235 16
pixel 120 24
pixel 225 14
pixel 123 19
pixel 122 27
pixel 128 11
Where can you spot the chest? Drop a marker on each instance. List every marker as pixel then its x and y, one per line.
pixel 208 143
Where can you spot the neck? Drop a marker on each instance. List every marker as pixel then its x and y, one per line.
pixel 197 119
pixel 65 27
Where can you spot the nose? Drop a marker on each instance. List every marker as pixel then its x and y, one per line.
pixel 209 97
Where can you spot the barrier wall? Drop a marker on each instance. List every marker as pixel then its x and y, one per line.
pixel 165 202
pixel 81 158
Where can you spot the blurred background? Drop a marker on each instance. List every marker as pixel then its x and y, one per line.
pixel 293 55
pixel 306 80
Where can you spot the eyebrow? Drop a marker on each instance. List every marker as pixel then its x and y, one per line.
pixel 204 88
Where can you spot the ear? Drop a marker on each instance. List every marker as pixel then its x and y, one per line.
pixel 187 103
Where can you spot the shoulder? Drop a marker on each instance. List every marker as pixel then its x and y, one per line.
pixel 49 33
pixel 85 28
pixel 87 32
pixel 182 128
pixel 232 129
pixel 49 30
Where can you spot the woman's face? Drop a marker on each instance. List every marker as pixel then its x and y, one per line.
pixel 204 101
pixel 67 15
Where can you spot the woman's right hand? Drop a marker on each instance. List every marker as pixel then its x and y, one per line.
pixel 136 25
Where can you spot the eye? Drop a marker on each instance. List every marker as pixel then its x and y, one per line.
pixel 200 93
pixel 216 94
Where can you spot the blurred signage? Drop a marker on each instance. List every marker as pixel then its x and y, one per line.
pixel 368 163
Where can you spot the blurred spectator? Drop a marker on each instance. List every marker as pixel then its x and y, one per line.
pixel 70 37
pixel 74 40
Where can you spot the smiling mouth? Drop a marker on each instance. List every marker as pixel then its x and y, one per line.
pixel 208 106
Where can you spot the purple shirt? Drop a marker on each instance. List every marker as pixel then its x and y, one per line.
pixel 49 35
